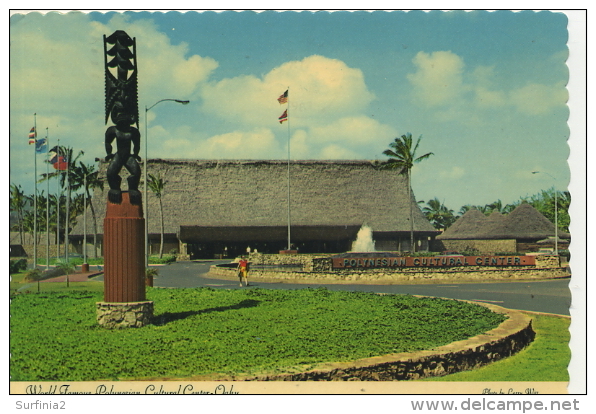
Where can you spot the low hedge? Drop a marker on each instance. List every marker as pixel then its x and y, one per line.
pixel 17 266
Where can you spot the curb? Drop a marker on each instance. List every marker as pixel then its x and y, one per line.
pixel 508 338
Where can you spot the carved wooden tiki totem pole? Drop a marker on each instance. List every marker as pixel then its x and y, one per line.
pixel 124 246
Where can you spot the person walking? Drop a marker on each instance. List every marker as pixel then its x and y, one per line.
pixel 243 270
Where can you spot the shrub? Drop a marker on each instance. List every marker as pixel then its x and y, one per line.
pixel 33 275
pixel 151 272
pixel 66 267
pixel 17 266
pixel 166 259
pixel 55 272
pixel 471 252
pixel 421 254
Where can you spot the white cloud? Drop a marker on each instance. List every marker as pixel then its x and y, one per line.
pixel 443 84
pixel 537 99
pixel 182 143
pixel 488 98
pixel 57 72
pixel 240 145
pixel 357 130
pixel 438 79
pixel 320 89
pixel 337 152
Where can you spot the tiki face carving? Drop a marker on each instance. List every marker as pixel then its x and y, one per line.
pixel 121 106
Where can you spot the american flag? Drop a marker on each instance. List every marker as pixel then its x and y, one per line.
pixel 283 98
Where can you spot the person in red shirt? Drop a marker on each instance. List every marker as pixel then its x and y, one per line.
pixel 243 270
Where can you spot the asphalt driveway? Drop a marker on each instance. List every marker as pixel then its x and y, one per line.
pixel 550 296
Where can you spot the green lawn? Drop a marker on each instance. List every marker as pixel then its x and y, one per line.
pixel 18 284
pixel 545 359
pixel 54 335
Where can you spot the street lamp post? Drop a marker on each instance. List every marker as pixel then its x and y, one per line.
pixel 145 205
pixel 556 211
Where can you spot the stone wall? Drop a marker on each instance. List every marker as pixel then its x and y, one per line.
pixel 318 269
pixel 511 336
pixel 397 276
pixel 543 262
pixel 304 260
pixel 124 315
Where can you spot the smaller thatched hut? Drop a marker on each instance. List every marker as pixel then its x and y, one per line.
pixel 519 231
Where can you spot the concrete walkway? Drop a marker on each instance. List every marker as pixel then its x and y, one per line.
pixel 74 277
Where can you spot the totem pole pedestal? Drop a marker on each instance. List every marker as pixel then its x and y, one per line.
pixel 124 303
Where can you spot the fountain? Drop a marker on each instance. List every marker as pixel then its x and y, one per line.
pixel 364 242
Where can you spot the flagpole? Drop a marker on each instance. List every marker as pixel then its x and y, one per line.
pixel 85 218
pixel 58 207
pixel 289 243
pixel 48 200
pixel 67 211
pixel 35 192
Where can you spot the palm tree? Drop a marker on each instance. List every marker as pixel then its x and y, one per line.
pixel 87 177
pixel 18 202
pixel 464 209
pixel 67 153
pixel 495 206
pixel 403 157
pixel 156 184
pixel 438 214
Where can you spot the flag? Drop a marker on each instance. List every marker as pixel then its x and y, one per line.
pixel 59 162
pixel 283 98
pixel 41 145
pixel 283 117
pixel 32 135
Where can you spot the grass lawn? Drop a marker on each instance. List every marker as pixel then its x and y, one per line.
pixel 17 284
pixel 546 358
pixel 54 334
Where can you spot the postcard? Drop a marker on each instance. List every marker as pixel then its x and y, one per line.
pixel 298 202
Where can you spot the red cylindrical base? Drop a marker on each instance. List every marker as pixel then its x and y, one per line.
pixel 124 252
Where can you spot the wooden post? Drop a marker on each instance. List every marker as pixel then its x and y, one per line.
pixel 124 254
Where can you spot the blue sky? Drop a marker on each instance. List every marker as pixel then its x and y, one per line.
pixel 486 91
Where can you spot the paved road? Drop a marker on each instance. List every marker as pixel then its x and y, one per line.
pixel 552 296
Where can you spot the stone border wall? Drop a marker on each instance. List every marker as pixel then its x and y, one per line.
pixel 511 336
pixel 475 273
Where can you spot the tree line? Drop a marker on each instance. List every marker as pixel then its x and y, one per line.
pixel 57 212
pixel 77 182
pixel 441 217
pixel 402 157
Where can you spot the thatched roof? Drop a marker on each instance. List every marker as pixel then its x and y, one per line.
pixel 210 193
pixel 469 224
pixel 525 222
pixel 495 217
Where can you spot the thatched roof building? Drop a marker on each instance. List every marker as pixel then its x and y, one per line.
pixel 523 223
pixel 467 226
pixel 228 204
pixel 523 228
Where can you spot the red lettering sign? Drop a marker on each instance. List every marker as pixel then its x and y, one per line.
pixel 436 261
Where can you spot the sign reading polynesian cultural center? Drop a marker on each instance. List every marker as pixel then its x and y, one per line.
pixel 445 261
